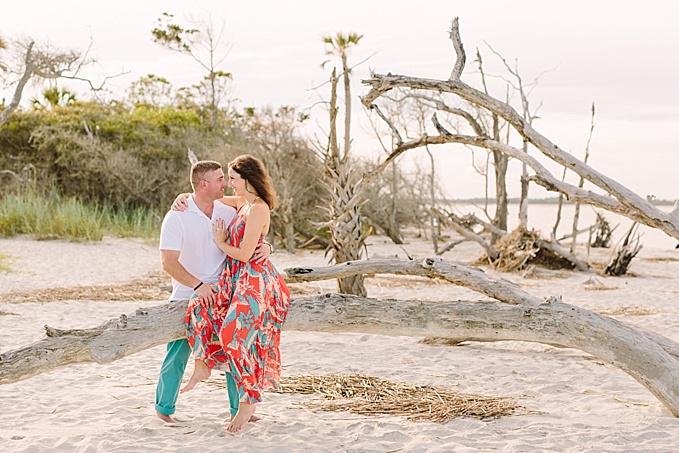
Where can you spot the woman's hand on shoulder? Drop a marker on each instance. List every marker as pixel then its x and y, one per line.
pixel 181 202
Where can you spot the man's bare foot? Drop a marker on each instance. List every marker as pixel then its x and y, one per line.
pixel 245 412
pixel 164 417
pixel 200 373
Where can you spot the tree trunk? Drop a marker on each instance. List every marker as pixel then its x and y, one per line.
pixel 18 91
pixel 289 226
pixel 347 195
pixel 394 226
pixel 553 322
pixel 500 218
pixel 523 201
pixel 581 184
pixel 433 223
pixel 111 341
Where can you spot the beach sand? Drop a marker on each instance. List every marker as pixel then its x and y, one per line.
pixel 575 402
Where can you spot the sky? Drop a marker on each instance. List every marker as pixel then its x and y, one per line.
pixel 619 54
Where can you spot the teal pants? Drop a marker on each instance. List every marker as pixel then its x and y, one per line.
pixel 170 379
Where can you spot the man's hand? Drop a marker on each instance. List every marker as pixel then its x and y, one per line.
pixel 262 253
pixel 171 265
pixel 206 294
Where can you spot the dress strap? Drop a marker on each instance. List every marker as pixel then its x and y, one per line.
pixel 248 205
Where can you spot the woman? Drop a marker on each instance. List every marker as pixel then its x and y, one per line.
pixel 252 300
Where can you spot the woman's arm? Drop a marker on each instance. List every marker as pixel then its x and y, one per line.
pixel 233 201
pixel 180 203
pixel 258 219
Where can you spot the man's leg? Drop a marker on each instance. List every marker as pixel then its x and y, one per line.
pixel 170 378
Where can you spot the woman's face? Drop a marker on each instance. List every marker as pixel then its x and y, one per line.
pixel 236 183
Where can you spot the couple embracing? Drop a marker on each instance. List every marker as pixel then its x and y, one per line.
pixel 213 247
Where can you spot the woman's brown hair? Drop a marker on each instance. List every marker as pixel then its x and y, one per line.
pixel 253 172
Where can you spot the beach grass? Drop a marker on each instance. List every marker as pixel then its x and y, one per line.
pixel 5 263
pixel 53 216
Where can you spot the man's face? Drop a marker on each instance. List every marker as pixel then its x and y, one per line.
pixel 215 184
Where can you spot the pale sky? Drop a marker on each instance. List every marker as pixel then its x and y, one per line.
pixel 621 55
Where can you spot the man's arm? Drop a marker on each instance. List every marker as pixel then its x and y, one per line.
pixel 170 262
pixel 262 252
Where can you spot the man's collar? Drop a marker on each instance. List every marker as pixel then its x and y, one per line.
pixel 193 206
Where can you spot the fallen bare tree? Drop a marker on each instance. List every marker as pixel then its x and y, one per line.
pixel 616 197
pixel 514 251
pixel 513 315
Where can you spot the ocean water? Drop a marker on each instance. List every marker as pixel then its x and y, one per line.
pixel 542 217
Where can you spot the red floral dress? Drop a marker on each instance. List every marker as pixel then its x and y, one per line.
pixel 241 332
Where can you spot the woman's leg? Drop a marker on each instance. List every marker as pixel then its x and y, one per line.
pixel 245 412
pixel 201 326
pixel 200 372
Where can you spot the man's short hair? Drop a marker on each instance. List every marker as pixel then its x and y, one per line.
pixel 200 169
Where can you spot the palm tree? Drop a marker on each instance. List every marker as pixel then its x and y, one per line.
pixel 344 186
pixel 339 45
pixel 54 97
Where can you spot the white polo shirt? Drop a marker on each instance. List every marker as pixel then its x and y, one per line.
pixel 190 233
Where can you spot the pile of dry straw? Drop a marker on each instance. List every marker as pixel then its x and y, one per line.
pixel 366 395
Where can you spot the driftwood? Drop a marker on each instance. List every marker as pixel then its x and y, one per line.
pixel 468 234
pixel 554 248
pixel 494 255
pixel 616 197
pixel 553 323
pixel 515 315
pixel 622 258
pixel 603 233
pixel 106 343
pixel 448 247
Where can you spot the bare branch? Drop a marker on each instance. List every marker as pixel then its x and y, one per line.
pixel 459 50
pixel 468 234
pixel 18 91
pixel 442 130
pixel 399 140
pixel 440 105
pixel 643 211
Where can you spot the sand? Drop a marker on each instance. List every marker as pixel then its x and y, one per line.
pixel 576 403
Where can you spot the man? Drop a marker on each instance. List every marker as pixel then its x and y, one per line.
pixel 190 256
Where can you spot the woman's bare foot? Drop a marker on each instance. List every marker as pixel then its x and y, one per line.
pixel 253 418
pixel 200 373
pixel 245 412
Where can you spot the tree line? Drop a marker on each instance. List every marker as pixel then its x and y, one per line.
pixel 131 151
